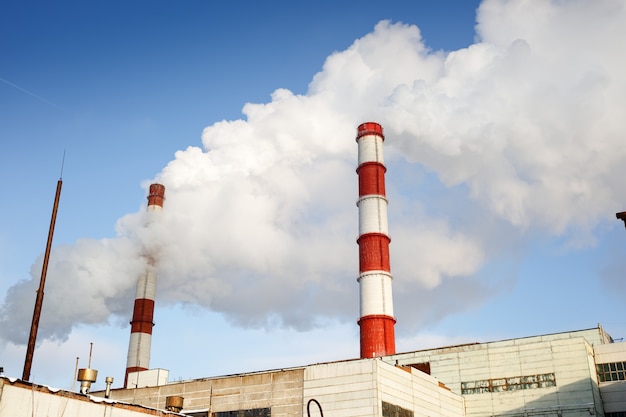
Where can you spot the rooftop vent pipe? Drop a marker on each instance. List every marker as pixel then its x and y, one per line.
pixel 107 391
pixel 174 403
pixel 86 376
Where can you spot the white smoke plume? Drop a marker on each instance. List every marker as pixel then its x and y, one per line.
pixel 519 133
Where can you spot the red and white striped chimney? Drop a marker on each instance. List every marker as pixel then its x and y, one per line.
pixel 377 321
pixel 143 313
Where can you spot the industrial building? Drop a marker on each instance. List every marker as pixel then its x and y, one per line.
pixel 571 374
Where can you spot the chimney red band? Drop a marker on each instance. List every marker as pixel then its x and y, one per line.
pixel 369 128
pixel 377 336
pixel 143 314
pixel 374 252
pixel 371 178
pixel 134 369
pixel 156 195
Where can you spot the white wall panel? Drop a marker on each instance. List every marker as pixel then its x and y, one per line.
pixel 28 401
pixel 613 352
pixel 565 355
pixel 410 389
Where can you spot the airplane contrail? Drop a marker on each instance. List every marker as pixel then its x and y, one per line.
pixel 30 93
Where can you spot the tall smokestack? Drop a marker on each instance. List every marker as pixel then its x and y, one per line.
pixel 377 321
pixel 143 312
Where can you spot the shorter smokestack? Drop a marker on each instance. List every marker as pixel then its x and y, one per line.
pixel 143 312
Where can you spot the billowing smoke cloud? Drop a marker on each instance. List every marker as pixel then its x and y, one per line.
pixel 529 118
pixel 520 132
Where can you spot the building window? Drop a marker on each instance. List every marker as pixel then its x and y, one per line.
pixel 254 412
pixel 508 384
pixel 614 371
pixel 391 410
pixel 616 414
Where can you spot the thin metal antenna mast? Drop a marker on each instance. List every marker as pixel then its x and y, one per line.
pixel 34 327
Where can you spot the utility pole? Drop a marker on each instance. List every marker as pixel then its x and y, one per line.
pixel 34 327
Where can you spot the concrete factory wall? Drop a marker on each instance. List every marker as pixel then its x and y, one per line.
pixel 366 387
pixel 280 390
pixel 571 374
pixel 23 399
pixel 611 367
pixel 370 387
pixel 545 375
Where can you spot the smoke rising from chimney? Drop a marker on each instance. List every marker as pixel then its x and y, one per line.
pixel 260 223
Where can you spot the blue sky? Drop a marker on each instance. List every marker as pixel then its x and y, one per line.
pixel 503 146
